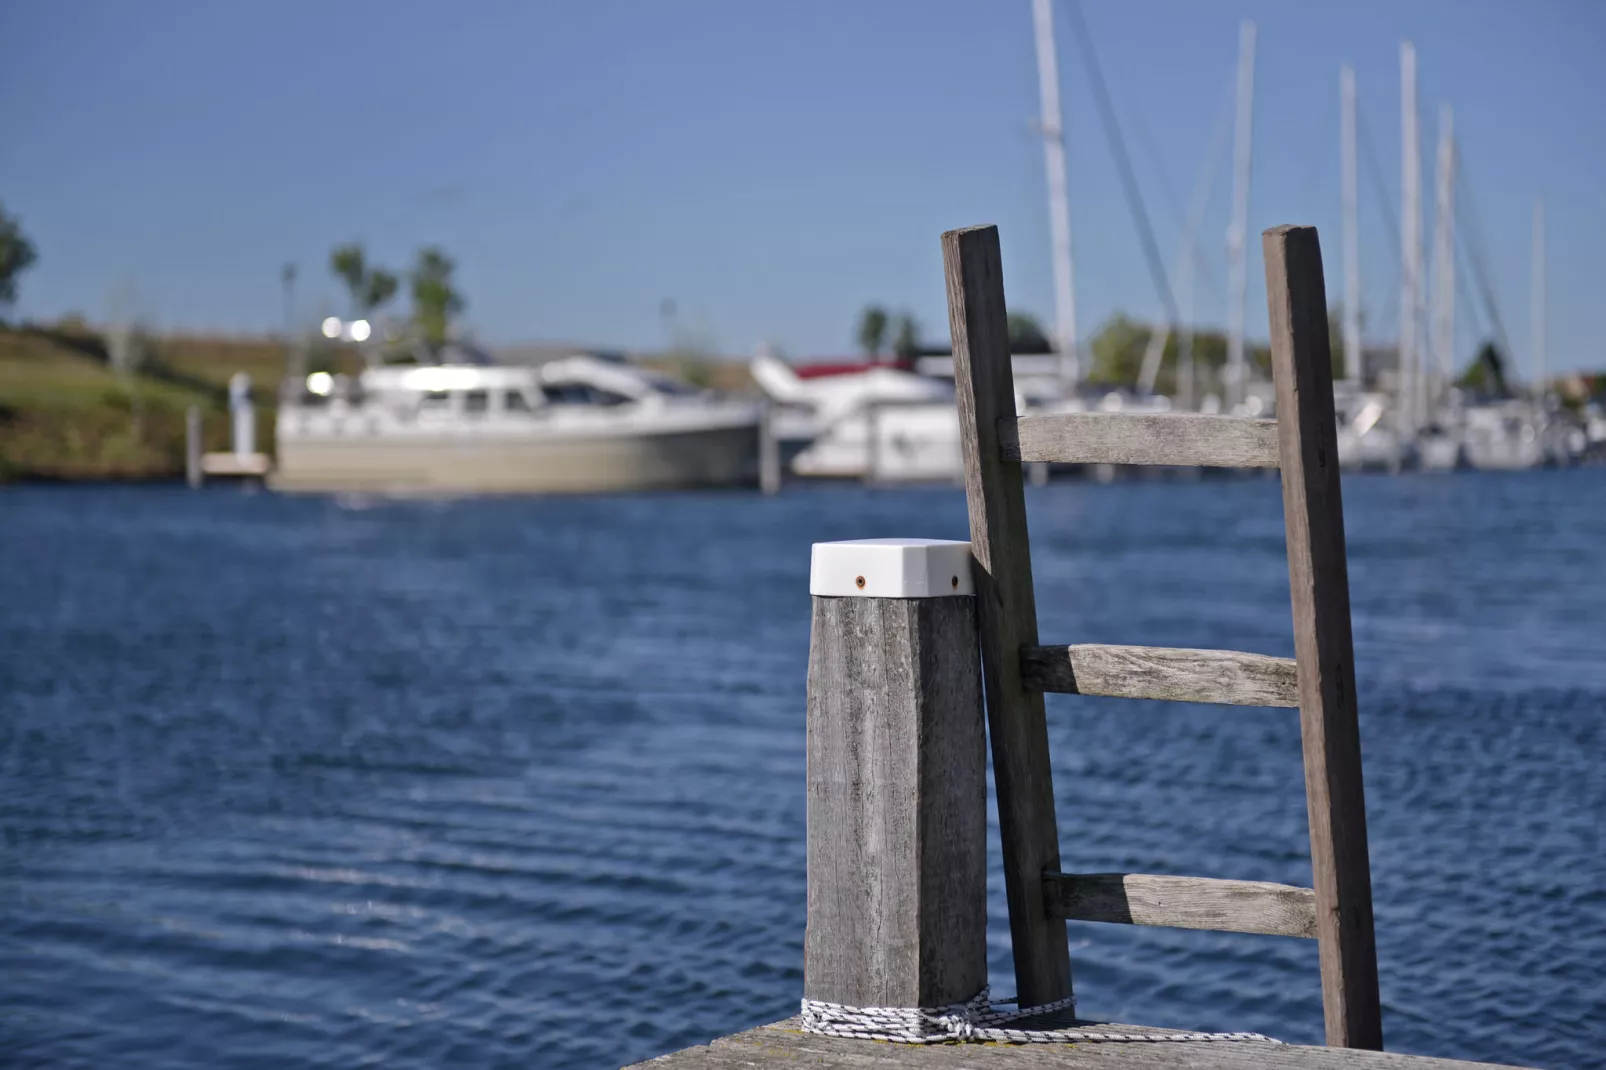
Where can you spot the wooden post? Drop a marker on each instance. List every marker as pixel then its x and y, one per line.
pixel 872 441
pixel 1006 609
pixel 192 446
pixel 769 452
pixel 897 779
pixel 1319 580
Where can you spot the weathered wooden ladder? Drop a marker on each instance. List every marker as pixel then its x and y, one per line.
pixel 1320 680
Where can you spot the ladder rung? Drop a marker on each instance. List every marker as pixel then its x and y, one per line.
pixel 1223 676
pixel 1173 438
pixel 1182 902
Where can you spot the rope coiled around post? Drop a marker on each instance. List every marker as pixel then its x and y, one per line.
pixel 976 1019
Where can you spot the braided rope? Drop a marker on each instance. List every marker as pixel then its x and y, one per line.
pixel 976 1019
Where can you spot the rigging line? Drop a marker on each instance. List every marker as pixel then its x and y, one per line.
pixel 1206 184
pixel 1472 300
pixel 1469 315
pixel 1169 198
pixel 1467 213
pixel 1374 170
pixel 1134 122
pixel 1390 305
pixel 1129 185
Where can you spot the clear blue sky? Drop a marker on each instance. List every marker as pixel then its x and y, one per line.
pixel 771 167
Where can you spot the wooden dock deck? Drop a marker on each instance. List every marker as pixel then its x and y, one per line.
pixel 784 1044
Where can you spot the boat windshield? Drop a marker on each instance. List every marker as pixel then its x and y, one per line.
pixel 663 384
pixel 581 394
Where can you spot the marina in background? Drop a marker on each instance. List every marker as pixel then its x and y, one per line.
pixel 485 720
pixel 120 401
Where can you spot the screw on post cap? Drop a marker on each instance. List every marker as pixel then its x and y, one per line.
pixel 890 568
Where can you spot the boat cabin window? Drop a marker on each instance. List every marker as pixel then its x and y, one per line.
pixel 581 394
pixel 673 387
pixel 435 399
pixel 476 400
pixel 515 401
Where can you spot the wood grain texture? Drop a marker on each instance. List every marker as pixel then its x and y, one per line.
pixel 1318 576
pixel 1177 675
pixel 1182 902
pixel 1175 438
pixel 784 1044
pixel 897 804
pixel 1006 608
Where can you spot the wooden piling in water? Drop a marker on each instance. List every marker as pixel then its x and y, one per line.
pixel 872 441
pixel 897 778
pixel 769 452
pixel 192 446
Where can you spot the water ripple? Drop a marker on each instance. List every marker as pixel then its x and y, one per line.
pixel 323 783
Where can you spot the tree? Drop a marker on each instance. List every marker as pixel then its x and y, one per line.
pixel 381 287
pixel 435 300
pixel 349 265
pixel 16 256
pixel 872 330
pixel 1117 350
pixel 906 337
pixel 1026 335
pixel 1486 375
pixel 369 287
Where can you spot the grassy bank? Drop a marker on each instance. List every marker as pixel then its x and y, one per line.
pixel 65 415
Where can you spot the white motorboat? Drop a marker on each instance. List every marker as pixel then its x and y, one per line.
pixel 882 423
pixel 886 442
pixel 865 421
pixel 464 425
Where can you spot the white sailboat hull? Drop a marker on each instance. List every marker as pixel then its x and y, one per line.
pixel 1377 450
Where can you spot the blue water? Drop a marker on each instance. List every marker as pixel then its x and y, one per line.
pixel 310 782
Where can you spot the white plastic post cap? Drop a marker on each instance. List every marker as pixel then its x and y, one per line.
pixel 890 568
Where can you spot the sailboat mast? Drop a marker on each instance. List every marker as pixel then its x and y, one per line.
pixel 1444 254
pixel 1242 134
pixel 1536 314
pixel 1352 234
pixel 1059 213
pixel 1410 242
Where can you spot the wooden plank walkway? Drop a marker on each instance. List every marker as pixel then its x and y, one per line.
pixel 785 1044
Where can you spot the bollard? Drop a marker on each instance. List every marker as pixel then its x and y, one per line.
pixel 897 777
pixel 192 446
pixel 242 416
